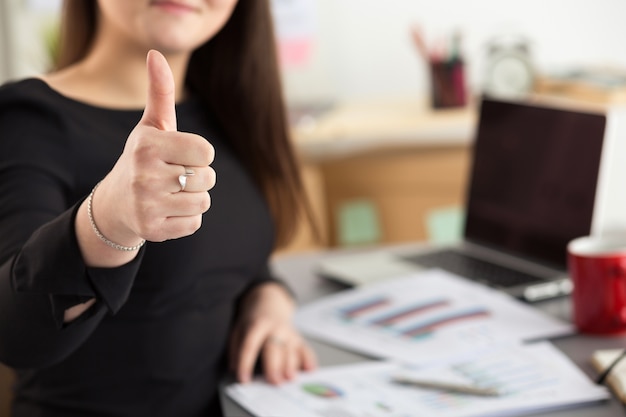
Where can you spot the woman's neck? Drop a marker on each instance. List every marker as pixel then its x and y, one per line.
pixel 114 77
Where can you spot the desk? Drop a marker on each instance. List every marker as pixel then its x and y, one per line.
pixel 399 155
pixel 298 271
pixel 356 127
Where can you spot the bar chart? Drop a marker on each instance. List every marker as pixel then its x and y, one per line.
pixel 423 318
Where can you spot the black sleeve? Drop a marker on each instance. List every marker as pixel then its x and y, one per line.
pixel 42 272
pixel 264 276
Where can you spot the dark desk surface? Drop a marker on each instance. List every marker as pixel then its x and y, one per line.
pixel 298 271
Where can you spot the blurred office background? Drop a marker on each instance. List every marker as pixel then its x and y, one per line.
pixel 362 48
pixel 380 165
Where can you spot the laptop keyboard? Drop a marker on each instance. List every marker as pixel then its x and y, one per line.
pixel 474 268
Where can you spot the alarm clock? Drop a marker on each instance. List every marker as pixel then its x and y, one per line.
pixel 510 71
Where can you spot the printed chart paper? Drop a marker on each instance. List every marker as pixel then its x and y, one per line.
pixel 423 318
pixel 531 378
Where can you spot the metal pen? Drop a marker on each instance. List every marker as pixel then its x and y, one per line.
pixel 445 386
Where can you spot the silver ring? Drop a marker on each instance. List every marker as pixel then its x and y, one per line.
pixel 182 179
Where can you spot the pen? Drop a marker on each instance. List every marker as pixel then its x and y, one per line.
pixel 420 44
pixel 445 386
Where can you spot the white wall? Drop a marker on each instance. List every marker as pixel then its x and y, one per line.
pixel 363 48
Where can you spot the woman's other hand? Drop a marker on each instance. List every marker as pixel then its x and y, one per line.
pixel 264 330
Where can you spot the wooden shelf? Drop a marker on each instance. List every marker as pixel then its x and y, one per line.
pixel 398 154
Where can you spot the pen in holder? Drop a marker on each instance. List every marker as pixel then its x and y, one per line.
pixel 446 69
pixel 447 83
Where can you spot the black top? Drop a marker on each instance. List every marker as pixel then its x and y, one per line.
pixel 154 342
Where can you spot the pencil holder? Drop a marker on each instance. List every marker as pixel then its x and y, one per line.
pixel 447 84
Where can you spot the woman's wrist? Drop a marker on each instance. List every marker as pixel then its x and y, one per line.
pixel 108 218
pixel 95 252
pixel 271 295
pixel 99 233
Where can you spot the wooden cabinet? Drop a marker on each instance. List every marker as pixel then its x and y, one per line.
pixel 402 186
pixel 398 155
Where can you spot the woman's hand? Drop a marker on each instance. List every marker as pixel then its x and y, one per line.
pixel 141 197
pixel 264 330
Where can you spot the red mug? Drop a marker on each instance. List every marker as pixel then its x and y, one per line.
pixel 597 267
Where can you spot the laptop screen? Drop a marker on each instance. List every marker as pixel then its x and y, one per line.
pixel 533 179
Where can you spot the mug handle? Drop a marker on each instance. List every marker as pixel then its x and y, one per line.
pixel 618 271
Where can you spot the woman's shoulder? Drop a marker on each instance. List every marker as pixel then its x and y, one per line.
pixel 30 97
pixel 28 89
pixel 30 105
pixel 37 100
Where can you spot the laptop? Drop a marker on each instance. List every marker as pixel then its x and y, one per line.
pixel 531 189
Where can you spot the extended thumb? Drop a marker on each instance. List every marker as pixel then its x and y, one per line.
pixel 160 109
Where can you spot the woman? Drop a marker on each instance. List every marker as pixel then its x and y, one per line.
pixel 96 322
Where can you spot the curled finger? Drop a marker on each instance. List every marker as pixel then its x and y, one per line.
pixel 292 359
pixel 274 359
pixel 249 351
pixel 308 359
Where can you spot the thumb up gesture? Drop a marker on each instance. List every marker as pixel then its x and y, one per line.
pixel 157 190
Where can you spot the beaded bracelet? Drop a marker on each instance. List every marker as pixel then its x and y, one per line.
pixel 100 235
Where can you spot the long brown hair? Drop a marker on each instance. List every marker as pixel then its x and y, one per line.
pixel 236 74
